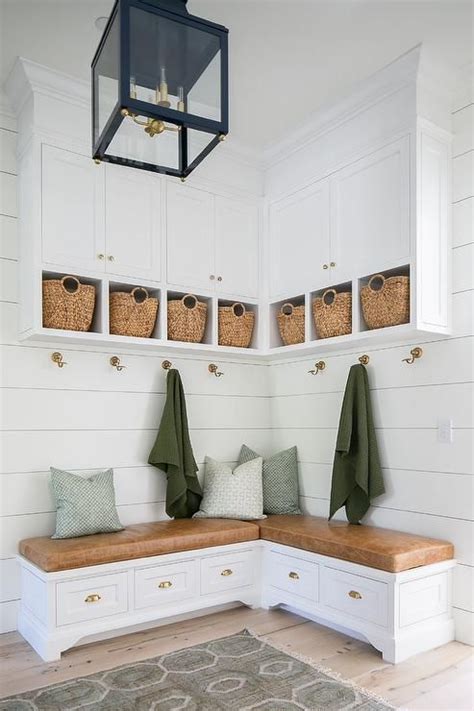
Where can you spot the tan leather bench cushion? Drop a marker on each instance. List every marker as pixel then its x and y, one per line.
pixel 375 547
pixel 140 541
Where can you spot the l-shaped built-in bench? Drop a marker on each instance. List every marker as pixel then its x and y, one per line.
pixel 392 589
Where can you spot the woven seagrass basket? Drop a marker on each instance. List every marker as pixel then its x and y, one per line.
pixel 186 319
pixel 132 313
pixel 68 304
pixel 235 326
pixel 291 324
pixel 332 313
pixel 388 305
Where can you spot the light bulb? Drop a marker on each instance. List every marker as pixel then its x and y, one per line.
pixel 162 99
pixel 180 98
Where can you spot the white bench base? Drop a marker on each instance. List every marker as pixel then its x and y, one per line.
pixel 400 614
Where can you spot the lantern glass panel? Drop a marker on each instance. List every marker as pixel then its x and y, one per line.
pixel 174 65
pixel 131 143
pixel 198 141
pixel 106 79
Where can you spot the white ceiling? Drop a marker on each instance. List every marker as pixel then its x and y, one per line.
pixel 288 57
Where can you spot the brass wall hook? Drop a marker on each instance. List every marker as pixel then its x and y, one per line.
pixel 364 359
pixel 115 363
pixel 57 358
pixel 167 365
pixel 318 367
pixel 213 368
pixel 415 353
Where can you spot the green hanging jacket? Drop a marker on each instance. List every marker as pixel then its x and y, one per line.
pixel 357 474
pixel 173 453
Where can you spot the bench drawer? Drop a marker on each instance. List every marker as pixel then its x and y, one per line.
pixel 91 598
pixel 227 571
pixel 355 595
pixel 294 575
pixel 165 584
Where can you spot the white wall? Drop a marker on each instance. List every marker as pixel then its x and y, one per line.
pixel 87 415
pixel 430 486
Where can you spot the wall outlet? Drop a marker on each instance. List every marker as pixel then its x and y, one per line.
pixel 445 431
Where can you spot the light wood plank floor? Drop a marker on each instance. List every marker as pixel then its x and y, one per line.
pixel 440 680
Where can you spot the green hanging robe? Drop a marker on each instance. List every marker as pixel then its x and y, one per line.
pixel 173 453
pixel 357 474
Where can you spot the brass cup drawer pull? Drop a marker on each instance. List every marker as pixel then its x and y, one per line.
pixel 93 598
pixel 227 572
pixel 293 575
pixel 355 595
pixel 165 585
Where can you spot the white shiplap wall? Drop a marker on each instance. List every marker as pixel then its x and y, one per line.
pixel 86 415
pixel 430 486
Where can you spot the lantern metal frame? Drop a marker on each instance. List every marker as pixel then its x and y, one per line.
pixel 172 10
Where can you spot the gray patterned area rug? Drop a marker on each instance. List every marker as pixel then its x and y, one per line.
pixel 236 673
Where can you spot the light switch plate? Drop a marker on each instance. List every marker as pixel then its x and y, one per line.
pixel 445 431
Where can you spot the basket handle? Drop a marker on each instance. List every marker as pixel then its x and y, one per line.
pixel 287 306
pixel 240 310
pixel 376 276
pixel 186 298
pixel 70 278
pixel 329 291
pixel 142 289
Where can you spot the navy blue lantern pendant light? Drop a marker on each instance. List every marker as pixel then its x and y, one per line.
pixel 159 87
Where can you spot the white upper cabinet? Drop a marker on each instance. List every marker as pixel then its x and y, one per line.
pixel 370 228
pixel 72 209
pixel 236 247
pixel 190 237
pixel 133 223
pixel 299 241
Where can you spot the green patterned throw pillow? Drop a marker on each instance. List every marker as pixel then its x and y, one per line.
pixel 232 493
pixel 280 480
pixel 84 505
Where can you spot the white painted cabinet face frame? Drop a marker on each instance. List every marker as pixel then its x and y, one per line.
pixel 401 614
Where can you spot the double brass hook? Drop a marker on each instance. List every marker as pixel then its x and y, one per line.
pixel 415 353
pixel 318 367
pixel 115 363
pixel 57 358
pixel 213 368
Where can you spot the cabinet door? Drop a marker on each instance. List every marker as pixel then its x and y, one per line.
pixel 237 248
pixel 190 237
pixel 299 241
pixel 370 213
pixel 72 205
pixel 133 223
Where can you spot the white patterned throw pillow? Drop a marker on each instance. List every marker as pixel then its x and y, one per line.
pixel 232 493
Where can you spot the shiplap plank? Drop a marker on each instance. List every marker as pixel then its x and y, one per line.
pixel 463 268
pixel 393 407
pixel 24 409
pixel 8 280
pixel 463 222
pixel 463 176
pixel 8 151
pixel 9 580
pixel 8 616
pixel 463 313
pixel 8 197
pixel 464 622
pixel 459 532
pixel 88 449
pixel 464 587
pixel 416 491
pixel 8 237
pixel 8 326
pixel 31 367
pixel 386 368
pixel 412 449
pixel 463 130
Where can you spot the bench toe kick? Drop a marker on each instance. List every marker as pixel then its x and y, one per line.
pixel 400 614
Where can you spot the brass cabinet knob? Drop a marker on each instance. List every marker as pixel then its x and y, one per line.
pixel 165 584
pixel 293 575
pixel 93 598
pixel 325 266
pixel 355 595
pixel 227 572
pixel 219 278
pixel 332 264
pixel 212 277
pixel 111 257
pixel 100 256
